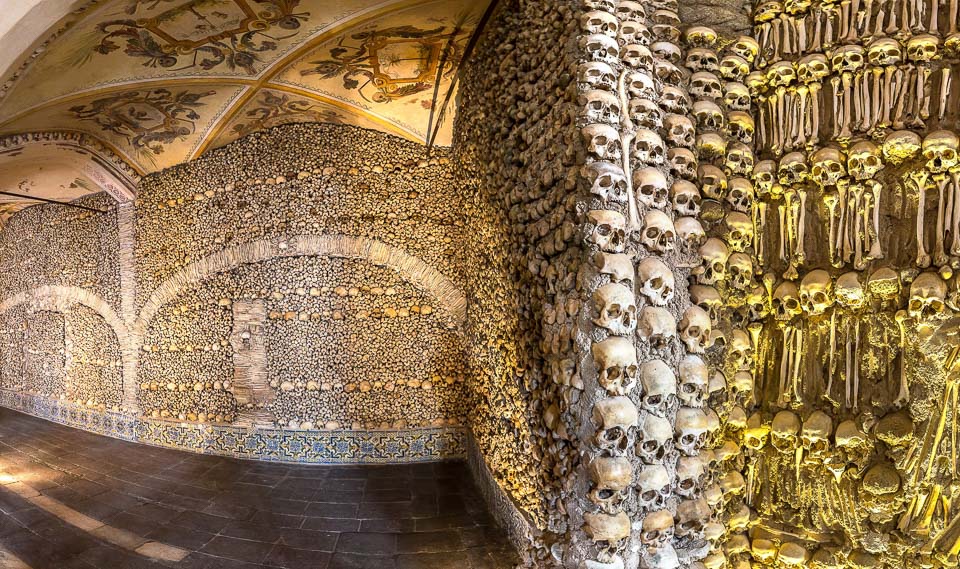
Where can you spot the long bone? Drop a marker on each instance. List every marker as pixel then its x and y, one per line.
pixel 903 396
pixel 801 33
pixel 780 125
pixel 777 41
pixel 876 97
pixel 892 25
pixel 800 130
pixel 847 80
pixel 856 365
pixel 955 230
pixel 933 27
pixel 922 102
pixel 939 255
pixel 866 106
pixel 844 20
pixel 830 200
pixel 787 333
pixel 782 211
pixel 946 78
pixel 878 24
pixel 876 249
pixel 830 362
pixel 837 105
pixel 799 253
pixel 797 361
pixel 851 226
pixel 759 223
pixel 867 14
pixel 889 73
pixel 841 224
pixel 858 262
pixel 903 92
pixel 815 88
pixel 954 12
pixel 857 117
pixel 920 180
pixel 848 354
pixel 851 34
pixel 816 42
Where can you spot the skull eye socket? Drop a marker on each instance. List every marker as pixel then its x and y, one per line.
pixel 605 494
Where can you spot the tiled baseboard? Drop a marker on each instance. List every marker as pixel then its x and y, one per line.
pixel 274 445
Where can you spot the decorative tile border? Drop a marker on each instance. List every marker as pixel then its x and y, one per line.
pixel 274 445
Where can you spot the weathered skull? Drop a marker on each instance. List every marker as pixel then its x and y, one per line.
pixel 757 303
pixel 940 150
pixel 700 36
pixel 667 51
pixel 648 147
pixel 651 187
pixel 709 115
pixel 690 233
pixel 849 292
pixel 657 326
pixel 602 48
pixel 745 47
pixel 680 131
pixel 781 74
pixel 607 181
pixel 690 431
pixel 690 475
pixel 667 32
pixel 615 418
pixel 658 232
pixel 703 59
pixel 694 377
pixel 922 48
pixel 883 285
pixel 599 22
pixel 597 106
pixel 709 299
pixel 736 96
pixel 713 181
pixel 742 385
pixel 645 113
pixel 740 351
pixel 816 292
pixel 827 167
pixel 602 141
pixel 609 230
pixel 740 231
pixel 653 487
pixel 740 160
pixel 617 266
pixel 884 51
pixel 686 198
pixel 692 516
pixel 616 358
pixel 637 57
pixel 793 169
pixel 714 267
pixel 695 328
pixel 740 195
pixel 816 435
pixel 659 387
pixel 657 529
pixel 605 5
pixel 656 281
pixel 711 145
pixel 597 75
pixel 927 296
pixel 683 164
pixel 640 85
pixel 813 68
pixel 847 59
pixel 705 85
pixel 863 160
pixel 607 528
pixel 786 301
pixel 732 484
pixel 734 68
pixel 611 477
pixel 630 11
pixel 616 309
pixel 634 33
pixel 900 146
pixel 675 100
pixel 656 439
pixel 756 434
pixel 740 126
pixel 785 431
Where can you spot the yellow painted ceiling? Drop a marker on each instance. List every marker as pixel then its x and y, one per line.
pixel 163 81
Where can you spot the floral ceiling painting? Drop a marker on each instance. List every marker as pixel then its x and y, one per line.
pixel 163 81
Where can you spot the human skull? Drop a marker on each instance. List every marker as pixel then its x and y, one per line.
pixel 656 439
pixel 694 377
pixel 705 85
pixel 711 145
pixel 736 96
pixel 667 32
pixel 612 478
pixel 709 115
pixel 602 141
pixel 615 418
pixel 674 100
pixel 605 5
pixel 740 231
pixel 815 435
pixel 640 85
pixel 690 431
pixel 653 487
pixel 793 169
pixel 883 285
pixel 816 292
pixel 683 164
pixel 702 59
pixel 599 22
pixel 658 232
pixel 740 351
pixel 900 146
pixel 740 160
pixel 709 299
pixel 742 386
pixel 927 296
pixel 781 74
pixel 630 11
pixel 657 326
pixel 764 176
pixel 700 36
pixel 940 150
pixel 849 292
pixel 634 33
pixel 657 529
pixel 740 195
pixel 600 47
pixel 734 68
pixel 714 266
pixel 685 198
pixel 598 106
pixel 616 309
pixel 618 266
pixel 740 126
pixel 757 303
pixel 607 181
pixel 847 58
pixel 651 187
pixel 692 516
pixel 732 484
pixel 609 230
pixel 883 51
pixel 786 301
pixel 680 131
pixel 923 48
pixel 713 181
pixel 864 160
pixel 827 167
pixel 785 431
pixel 597 75
pixel 648 147
pixel 609 529
pixel 616 359
pixel 690 232
pixel 756 433
pixel 667 51
pixel 813 68
pixel 659 387
pixel 656 281
pixel 695 328
pixel 637 57
pixel 690 475
pixel 646 114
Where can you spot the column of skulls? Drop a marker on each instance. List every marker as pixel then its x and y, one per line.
pixel 638 430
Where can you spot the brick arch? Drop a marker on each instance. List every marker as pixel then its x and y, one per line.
pixel 62 298
pixel 451 299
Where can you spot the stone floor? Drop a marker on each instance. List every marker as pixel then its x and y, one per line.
pixel 229 514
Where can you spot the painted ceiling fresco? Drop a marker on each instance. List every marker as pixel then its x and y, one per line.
pixel 162 81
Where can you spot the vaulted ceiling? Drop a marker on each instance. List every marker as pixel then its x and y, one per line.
pixel 156 82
